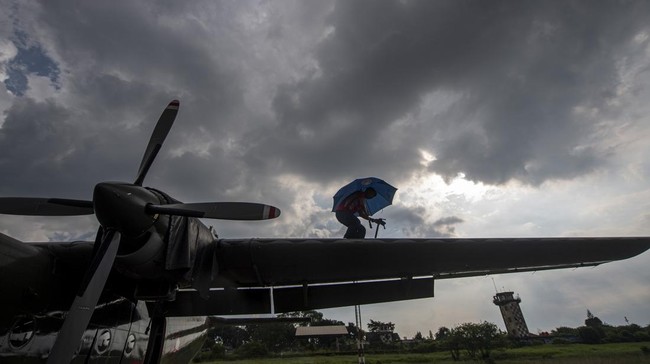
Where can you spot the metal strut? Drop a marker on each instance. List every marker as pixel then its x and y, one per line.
pixel 360 335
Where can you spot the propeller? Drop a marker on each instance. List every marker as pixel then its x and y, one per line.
pixel 122 209
pixel 44 206
pixel 79 314
pixel 218 210
pixel 158 136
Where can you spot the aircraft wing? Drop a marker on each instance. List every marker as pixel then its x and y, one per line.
pixel 324 273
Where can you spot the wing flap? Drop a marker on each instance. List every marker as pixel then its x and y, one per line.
pixel 296 298
pixel 357 293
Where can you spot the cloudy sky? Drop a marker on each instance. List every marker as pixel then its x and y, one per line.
pixel 494 119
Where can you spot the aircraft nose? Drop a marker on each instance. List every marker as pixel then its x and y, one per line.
pixel 121 207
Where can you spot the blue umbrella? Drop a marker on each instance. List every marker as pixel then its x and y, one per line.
pixel 385 193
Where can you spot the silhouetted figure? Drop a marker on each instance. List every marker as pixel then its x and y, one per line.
pixel 351 207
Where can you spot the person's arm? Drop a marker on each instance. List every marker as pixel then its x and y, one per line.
pixel 364 214
pixel 362 209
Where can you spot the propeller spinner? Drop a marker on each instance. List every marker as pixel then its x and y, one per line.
pixel 122 209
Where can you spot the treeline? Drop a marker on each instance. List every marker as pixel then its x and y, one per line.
pixel 595 332
pixel 265 339
pixel 466 341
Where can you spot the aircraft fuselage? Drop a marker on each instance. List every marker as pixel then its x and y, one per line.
pixel 38 282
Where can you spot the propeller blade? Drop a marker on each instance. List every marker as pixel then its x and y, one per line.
pixel 78 317
pixel 44 206
pixel 218 210
pixel 157 138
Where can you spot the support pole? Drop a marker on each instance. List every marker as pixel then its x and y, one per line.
pixel 360 335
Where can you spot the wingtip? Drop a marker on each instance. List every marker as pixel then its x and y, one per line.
pixel 175 104
pixel 271 212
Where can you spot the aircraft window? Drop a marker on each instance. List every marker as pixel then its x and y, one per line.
pixel 130 344
pixel 22 332
pixel 103 341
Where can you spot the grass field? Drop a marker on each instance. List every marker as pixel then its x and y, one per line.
pixel 623 353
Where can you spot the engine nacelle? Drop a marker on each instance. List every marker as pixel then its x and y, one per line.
pixel 143 257
pixel 175 251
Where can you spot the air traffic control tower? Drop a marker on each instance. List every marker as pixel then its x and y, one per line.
pixel 512 315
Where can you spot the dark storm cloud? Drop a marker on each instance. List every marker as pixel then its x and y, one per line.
pixel 513 74
pixel 32 137
pixel 51 150
pixel 517 70
pixel 447 221
pixel 144 42
pixel 447 225
pixel 120 65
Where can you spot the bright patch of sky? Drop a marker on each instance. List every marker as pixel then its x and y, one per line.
pixel 7 52
pixel 28 59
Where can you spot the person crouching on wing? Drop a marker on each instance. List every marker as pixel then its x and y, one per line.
pixel 349 208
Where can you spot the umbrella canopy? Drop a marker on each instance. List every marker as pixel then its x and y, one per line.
pixel 385 193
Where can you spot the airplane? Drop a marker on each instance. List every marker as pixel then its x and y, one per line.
pixel 156 278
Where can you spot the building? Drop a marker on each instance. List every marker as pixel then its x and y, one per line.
pixel 512 315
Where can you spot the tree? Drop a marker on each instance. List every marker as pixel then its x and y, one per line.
pixel 565 332
pixel 442 333
pixel 592 321
pixel 353 330
pixel 231 336
pixel 478 340
pixel 276 336
pixel 314 317
pixel 381 334
pixel 452 341
pixel 377 326
pixel 418 336
pixel 253 349
pixel 596 324
pixel 589 335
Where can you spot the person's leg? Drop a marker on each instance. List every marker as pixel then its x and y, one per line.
pixel 355 229
pixel 360 231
